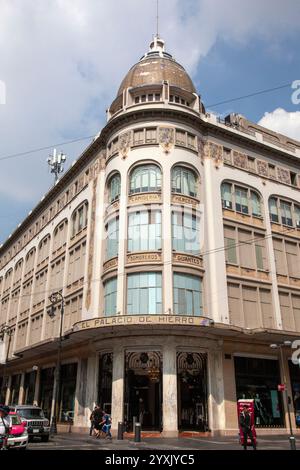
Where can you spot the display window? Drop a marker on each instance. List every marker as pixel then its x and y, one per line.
pixel 259 379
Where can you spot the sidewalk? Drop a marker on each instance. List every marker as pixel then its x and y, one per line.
pixel 74 441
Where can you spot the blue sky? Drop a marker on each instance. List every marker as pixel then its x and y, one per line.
pixel 63 60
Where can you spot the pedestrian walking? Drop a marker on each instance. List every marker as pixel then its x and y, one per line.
pixel 246 427
pixel 5 424
pixel 98 418
pixel 106 425
pixel 92 421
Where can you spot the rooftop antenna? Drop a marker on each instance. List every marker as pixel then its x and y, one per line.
pixel 157 17
pixel 56 163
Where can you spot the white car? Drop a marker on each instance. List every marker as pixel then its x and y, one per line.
pixel 18 436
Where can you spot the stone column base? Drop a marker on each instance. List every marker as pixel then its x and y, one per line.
pixel 169 433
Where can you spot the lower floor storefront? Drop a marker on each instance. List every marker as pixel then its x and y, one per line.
pixel 170 383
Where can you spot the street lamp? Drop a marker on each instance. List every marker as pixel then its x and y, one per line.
pixel 5 330
pixel 56 298
pixel 280 346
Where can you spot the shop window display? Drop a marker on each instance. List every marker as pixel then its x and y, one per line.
pixel 258 379
pixel 295 385
pixel 67 392
pixel 105 381
pixel 192 391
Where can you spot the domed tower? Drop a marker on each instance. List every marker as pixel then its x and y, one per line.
pixel 156 78
pixel 152 270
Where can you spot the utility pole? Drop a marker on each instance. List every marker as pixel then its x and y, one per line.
pixel 56 163
pixel 56 298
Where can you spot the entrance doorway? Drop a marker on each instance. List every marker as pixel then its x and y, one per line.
pixel 192 391
pixel 143 390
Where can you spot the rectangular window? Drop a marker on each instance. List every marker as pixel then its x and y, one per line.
pixel 187 295
pixel 110 297
pixel 151 135
pixel 250 307
pixel 226 195
pixel 144 231
pixel 280 261
pixel 241 200
pixel 297 216
pixel 230 245
pixel 287 316
pixel 260 251
pixel 246 249
pixel 292 257
pixel 144 293
pixel 185 232
pixel 273 210
pixel 286 213
pixel 112 238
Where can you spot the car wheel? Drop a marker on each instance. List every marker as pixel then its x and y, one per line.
pixel 45 438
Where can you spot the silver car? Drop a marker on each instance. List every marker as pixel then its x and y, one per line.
pixel 37 423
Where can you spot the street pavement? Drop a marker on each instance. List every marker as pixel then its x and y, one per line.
pixel 76 441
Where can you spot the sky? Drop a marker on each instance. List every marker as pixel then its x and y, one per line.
pixel 61 62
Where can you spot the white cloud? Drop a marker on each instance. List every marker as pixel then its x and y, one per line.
pixel 63 60
pixel 282 121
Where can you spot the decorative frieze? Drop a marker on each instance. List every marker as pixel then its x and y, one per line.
pixel 91 247
pixel 144 198
pixel 239 160
pixel 283 175
pixel 187 259
pixel 179 199
pixel 262 168
pixel 110 264
pixel 144 258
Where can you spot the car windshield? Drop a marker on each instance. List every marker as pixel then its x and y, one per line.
pixel 31 413
pixel 15 419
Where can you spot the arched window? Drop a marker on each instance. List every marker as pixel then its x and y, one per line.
pixel 184 181
pixel 145 178
pixel 79 218
pixel 284 212
pixel 114 187
pixel 241 199
pixel 60 235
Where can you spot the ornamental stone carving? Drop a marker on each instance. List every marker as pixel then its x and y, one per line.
pixel 166 138
pixel 124 143
pixel 216 153
pixel 202 148
pixel 283 175
pixel 239 159
pixel 262 168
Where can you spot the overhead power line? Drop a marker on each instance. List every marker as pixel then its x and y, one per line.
pixel 256 93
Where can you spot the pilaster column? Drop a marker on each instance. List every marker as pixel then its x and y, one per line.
pixel 117 399
pixel 37 387
pixel 21 391
pixel 86 390
pixel 8 391
pixel 170 418
pixel 216 398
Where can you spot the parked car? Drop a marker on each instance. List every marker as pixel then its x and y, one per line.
pixel 36 422
pixel 18 436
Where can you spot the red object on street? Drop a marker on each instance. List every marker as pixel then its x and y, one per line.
pixel 250 404
pixel 281 388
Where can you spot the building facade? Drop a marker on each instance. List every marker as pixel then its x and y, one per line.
pixel 175 242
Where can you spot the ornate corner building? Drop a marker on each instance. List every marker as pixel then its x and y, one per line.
pixel 175 242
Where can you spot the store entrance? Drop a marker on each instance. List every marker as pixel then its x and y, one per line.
pixel 143 391
pixel 192 391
